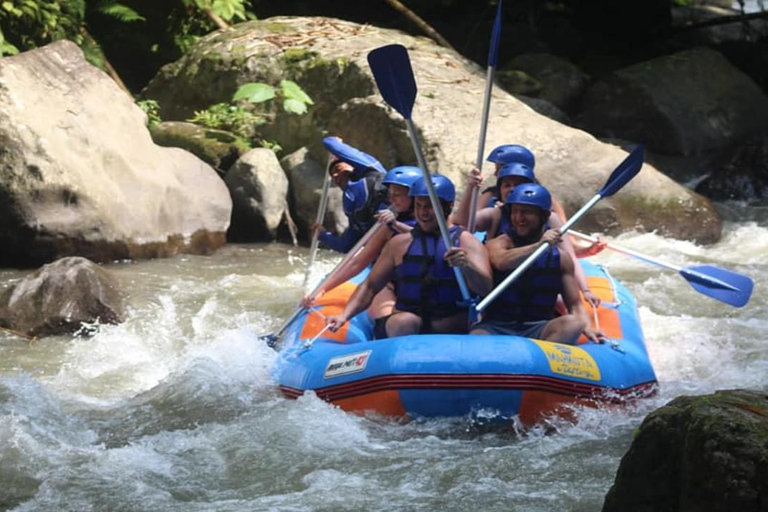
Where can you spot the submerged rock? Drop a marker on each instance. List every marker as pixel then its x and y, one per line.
pixel 697 454
pixel 60 297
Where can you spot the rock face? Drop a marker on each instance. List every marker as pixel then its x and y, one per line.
pixel 217 148
pixel 698 454
pixel 327 58
pixel 743 174
pixel 259 188
pixel 80 175
pixel 60 297
pixel 683 104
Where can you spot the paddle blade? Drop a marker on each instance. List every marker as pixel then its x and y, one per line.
pixel 392 70
pixel 359 160
pixel 626 170
pixel 721 284
pixel 270 339
pixel 493 51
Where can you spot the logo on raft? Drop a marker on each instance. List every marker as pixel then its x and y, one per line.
pixel 345 365
pixel 570 361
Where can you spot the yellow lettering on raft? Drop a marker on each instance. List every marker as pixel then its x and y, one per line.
pixel 568 360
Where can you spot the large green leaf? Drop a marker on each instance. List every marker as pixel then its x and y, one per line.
pixel 292 91
pixel 255 92
pixel 295 106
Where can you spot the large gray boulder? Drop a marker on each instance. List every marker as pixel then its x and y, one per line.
pixel 80 175
pixel 697 454
pixel 683 104
pixel 61 297
pixel 328 59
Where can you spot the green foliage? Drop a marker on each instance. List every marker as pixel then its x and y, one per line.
pixel 295 100
pixel 233 118
pixel 228 10
pixel 118 11
pixel 152 109
pixel 27 24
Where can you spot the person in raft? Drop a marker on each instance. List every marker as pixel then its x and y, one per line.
pixel 359 176
pixel 428 297
pixel 495 221
pixel 398 219
pixel 526 307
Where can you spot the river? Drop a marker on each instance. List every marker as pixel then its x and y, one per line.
pixel 175 410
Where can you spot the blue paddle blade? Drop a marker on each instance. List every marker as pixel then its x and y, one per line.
pixel 721 284
pixel 493 51
pixel 359 160
pixel 626 170
pixel 392 70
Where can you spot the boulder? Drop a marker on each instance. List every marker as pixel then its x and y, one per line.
pixel 697 454
pixel 80 175
pixel 743 174
pixel 60 297
pixel 218 148
pixel 683 104
pixel 259 190
pixel 327 58
pixel 563 84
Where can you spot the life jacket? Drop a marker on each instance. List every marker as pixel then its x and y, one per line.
pixel 532 297
pixel 504 224
pixel 424 282
pixel 363 198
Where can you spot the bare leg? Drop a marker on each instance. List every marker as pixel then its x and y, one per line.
pixel 565 329
pixel 383 303
pixel 453 324
pixel 403 323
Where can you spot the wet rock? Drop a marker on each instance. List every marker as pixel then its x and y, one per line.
pixel 259 191
pixel 743 174
pixel 80 175
pixel 697 454
pixel 327 58
pixel 60 297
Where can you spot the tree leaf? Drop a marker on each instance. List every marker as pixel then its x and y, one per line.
pixel 291 90
pixel 255 92
pixel 295 106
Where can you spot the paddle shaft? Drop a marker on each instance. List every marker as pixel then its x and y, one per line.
pixel 481 146
pixel 318 221
pixel 536 254
pixel 347 258
pixel 629 252
pixel 439 214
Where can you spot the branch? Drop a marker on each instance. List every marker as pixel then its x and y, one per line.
pixel 423 25
pixel 215 18
pixel 107 65
pixel 721 20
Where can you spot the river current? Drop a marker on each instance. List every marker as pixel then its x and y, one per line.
pixel 175 410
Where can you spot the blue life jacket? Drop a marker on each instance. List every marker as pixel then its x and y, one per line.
pixel 505 225
pixel 533 295
pixel 424 282
pixel 363 198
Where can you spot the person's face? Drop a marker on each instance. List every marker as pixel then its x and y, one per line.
pixel 526 219
pixel 398 197
pixel 340 174
pixel 507 184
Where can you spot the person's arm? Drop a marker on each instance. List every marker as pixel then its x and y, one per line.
pixel 505 256
pixel 572 299
pixel 472 258
pixel 341 243
pixel 381 273
pixel 354 266
pixel 461 215
pixel 389 218
pixel 555 221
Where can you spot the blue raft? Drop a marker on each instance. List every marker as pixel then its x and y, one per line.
pixel 449 375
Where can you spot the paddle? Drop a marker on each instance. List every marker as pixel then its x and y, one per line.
pixel 626 170
pixel 719 283
pixel 272 338
pixel 392 70
pixel 318 221
pixel 493 58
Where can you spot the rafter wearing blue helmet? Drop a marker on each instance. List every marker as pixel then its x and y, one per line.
pixel 527 306
pixel 359 176
pixel 398 219
pixel 428 298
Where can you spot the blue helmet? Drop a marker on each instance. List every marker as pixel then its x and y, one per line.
pixel 532 194
pixel 512 153
pixel 443 187
pixel 517 169
pixel 405 176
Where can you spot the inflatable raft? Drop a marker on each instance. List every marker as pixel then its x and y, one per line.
pixel 501 377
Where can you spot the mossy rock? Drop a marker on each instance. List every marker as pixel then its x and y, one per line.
pixel 218 148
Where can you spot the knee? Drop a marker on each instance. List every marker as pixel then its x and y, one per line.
pixel 401 324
